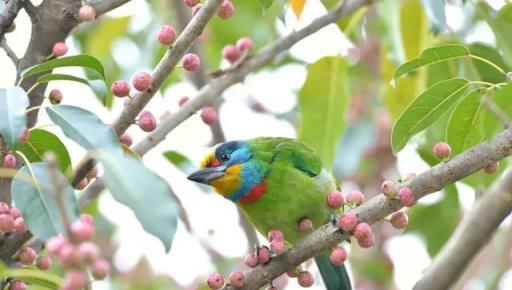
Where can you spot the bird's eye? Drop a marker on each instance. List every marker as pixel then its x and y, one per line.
pixel 224 157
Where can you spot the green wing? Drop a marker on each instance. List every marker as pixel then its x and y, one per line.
pixel 292 152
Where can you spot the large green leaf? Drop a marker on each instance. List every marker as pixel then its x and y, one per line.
pixel 323 102
pixel 36 200
pixel 85 128
pixel 148 195
pixel 179 160
pixel 501 24
pixel 389 19
pixel 433 55
pixel 464 128
pixel 41 141
pixel 484 71
pixel 85 61
pixel 98 86
pixel 265 4
pixel 426 109
pixel 436 14
pixel 13 102
pixel 446 210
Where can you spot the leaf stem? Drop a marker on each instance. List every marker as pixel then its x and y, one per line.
pixel 33 109
pixel 489 63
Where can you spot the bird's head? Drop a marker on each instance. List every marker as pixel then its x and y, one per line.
pixel 225 167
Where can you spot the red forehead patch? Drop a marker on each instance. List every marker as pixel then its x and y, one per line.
pixel 214 163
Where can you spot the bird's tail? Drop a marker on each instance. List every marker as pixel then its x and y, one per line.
pixel 335 276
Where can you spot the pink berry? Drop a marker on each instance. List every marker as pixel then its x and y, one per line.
pixel 4 208
pixel 388 188
pixel 82 231
pixel 142 81
pixel 215 281
pixel 196 9
pixel 126 139
pixel 69 256
pixel 9 161
pixel 491 168
pixel 75 280
pixel 335 199
pixel 86 13
pixel 338 255
pixel 147 121
pixel 263 254
pixel 362 230
pixel 366 241
pixel 87 218
pixel 82 184
pixel 24 136
pixel 442 150
pixel 244 43
pixel 275 234
pixel 19 225
pixel 191 62
pixel 43 263
pixel 100 269
pixel 120 88
pixel 305 279
pixel 237 279
pixel 167 35
pixel 209 115
pixel 348 221
pixel 305 225
pixel 55 245
pixel 399 219
pixel 251 260
pixel 231 53
pixel 183 100
pixel 406 196
pixel 355 198
pixel 88 252
pixel 14 212
pixel 226 10
pixel 277 246
pixel 59 49
pixel 18 285
pixel 190 3
pixel 27 256
pixel 55 97
pixel 6 223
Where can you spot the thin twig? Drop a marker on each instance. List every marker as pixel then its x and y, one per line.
pixel 497 111
pixel 470 236
pixel 58 195
pixel 31 10
pixel 10 53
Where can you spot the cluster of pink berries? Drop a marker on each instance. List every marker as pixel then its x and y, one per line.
pixel 232 52
pixel 11 220
pixel 225 11
pixel 78 253
pixel 404 193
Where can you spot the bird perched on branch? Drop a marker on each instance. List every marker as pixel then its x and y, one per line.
pixel 276 182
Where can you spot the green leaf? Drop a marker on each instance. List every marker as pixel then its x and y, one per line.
pixel 41 141
pixel 98 86
pixel 265 4
pixel 484 71
pixel 147 194
pixel 179 160
pixel 501 24
pixel 464 130
pixel 446 210
pixel 426 109
pixel 436 14
pixel 83 60
pixel 13 102
pixel 433 55
pixel 85 128
pixel 36 200
pixel 323 101
pixel 46 279
pixel 389 20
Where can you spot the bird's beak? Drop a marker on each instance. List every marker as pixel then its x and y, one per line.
pixel 206 175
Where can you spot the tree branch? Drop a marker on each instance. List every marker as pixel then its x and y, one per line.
pixel 104 6
pixel 470 236
pixel 9 51
pixel 161 72
pixel 9 14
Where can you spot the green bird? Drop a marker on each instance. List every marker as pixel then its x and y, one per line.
pixel 276 182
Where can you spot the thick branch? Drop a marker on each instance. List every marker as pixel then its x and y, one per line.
pixel 104 6
pixel 471 235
